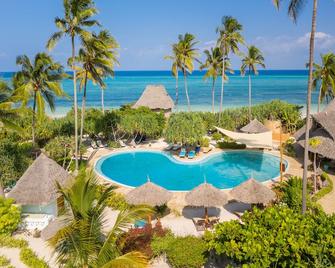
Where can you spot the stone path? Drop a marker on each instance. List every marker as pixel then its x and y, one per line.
pixel 328 201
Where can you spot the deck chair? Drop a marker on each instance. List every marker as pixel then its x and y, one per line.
pixel 191 154
pixel 182 153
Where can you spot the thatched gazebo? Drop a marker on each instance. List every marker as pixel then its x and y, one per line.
pixel 156 98
pixel 206 195
pixel 36 189
pixel 253 192
pixel 254 127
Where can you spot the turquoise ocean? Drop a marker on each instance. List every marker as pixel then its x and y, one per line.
pixel 127 86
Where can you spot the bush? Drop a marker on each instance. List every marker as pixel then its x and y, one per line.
pixel 276 237
pixel 10 242
pixel 204 142
pixel 181 252
pixel 217 136
pixel 231 145
pixel 4 262
pixel 289 148
pixel 29 258
pixel 10 216
pixel 325 190
pixel 60 148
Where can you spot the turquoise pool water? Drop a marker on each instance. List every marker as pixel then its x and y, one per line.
pixel 224 170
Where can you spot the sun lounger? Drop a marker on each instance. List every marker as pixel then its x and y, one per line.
pixel 176 147
pixel 94 145
pixel 133 143
pixel 199 224
pixel 122 144
pixel 191 154
pixel 169 147
pixel 207 149
pixel 99 143
pixel 182 153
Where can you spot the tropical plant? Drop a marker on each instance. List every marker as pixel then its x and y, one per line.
pixel 187 53
pixel 250 61
pixel 314 143
pixel 324 76
pixel 98 58
pixel 10 216
pixel 77 18
pixel 229 39
pixel 294 8
pixel 82 241
pixel 39 81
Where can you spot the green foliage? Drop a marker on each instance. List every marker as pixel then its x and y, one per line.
pixel 10 216
pixel 276 237
pixel 4 261
pixel 181 252
pixel 117 201
pixel 289 148
pixel 185 128
pixel 60 149
pixel 29 258
pixel 217 136
pixel 325 190
pixel 10 242
pixel 231 145
pixel 204 142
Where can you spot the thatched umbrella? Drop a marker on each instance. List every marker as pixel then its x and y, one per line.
pixel 148 194
pixel 253 192
pixel 206 195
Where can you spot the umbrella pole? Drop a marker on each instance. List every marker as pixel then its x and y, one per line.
pixel 206 215
pixel 149 220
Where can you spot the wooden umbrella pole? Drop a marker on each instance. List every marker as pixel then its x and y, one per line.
pixel 206 215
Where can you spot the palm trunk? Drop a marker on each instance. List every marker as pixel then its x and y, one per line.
pixel 102 101
pixel 186 92
pixel 319 99
pixel 33 122
pixel 308 106
pixel 83 106
pixel 222 84
pixel 75 104
pixel 314 167
pixel 250 97
pixel 2 192
pixel 213 95
pixel 177 92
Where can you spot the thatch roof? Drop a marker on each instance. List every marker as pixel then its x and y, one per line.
pixel 253 192
pixel 254 127
pixel 155 97
pixel 37 186
pixel 206 195
pixel 149 194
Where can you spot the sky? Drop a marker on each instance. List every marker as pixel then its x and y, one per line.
pixel 146 29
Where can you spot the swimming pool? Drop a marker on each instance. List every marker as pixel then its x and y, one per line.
pixel 224 170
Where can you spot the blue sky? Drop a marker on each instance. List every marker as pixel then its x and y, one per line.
pixel 146 29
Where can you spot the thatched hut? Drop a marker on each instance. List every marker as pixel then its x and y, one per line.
pixel 322 128
pixel 254 127
pixel 36 190
pixel 156 98
pixel 252 192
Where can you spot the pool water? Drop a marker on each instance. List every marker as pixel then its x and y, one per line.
pixel 224 170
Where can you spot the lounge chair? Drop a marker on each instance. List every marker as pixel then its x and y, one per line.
pixel 182 153
pixel 122 144
pixel 191 154
pixel 176 147
pixel 99 143
pixel 169 147
pixel 207 149
pixel 94 145
pixel 199 224
pixel 133 143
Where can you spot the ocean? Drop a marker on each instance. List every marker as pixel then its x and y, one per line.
pixel 127 86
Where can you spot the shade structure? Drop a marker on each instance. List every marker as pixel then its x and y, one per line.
pixel 149 194
pixel 206 195
pixel 253 192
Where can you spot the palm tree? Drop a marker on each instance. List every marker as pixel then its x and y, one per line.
pixel 230 38
pixel 213 65
pixel 39 81
pixel 324 74
pixel 314 143
pixel 77 16
pixel 98 58
pixel 250 61
pixel 82 241
pixel 176 66
pixel 295 6
pixel 187 55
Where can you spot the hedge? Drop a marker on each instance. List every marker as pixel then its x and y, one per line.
pixel 231 145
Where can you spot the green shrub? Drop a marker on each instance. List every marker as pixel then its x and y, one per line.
pixel 29 258
pixel 114 144
pixel 4 262
pixel 204 142
pixel 325 190
pixel 181 252
pixel 10 242
pixel 10 216
pixel 217 136
pixel 231 145
pixel 276 237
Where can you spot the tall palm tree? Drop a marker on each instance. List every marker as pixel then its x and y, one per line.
pixel 176 66
pixel 39 81
pixel 83 240
pixel 188 54
pixel 324 75
pixel 77 17
pixel 229 39
pixel 250 61
pixel 295 6
pixel 213 65
pixel 98 58
pixel 314 143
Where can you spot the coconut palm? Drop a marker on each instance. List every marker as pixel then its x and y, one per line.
pixel 213 65
pixel 187 54
pixel 98 58
pixel 84 240
pixel 250 61
pixel 38 81
pixel 229 39
pixel 77 18
pixel 294 8
pixel 176 66
pixel 314 143
pixel 324 76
